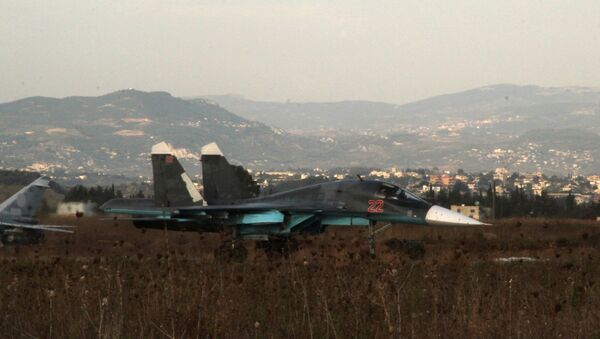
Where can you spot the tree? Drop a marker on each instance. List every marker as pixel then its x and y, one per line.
pixel 442 198
pixel 430 194
pixel 570 204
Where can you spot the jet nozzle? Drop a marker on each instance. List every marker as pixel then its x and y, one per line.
pixel 439 216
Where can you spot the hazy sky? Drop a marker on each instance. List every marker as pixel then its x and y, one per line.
pixel 394 51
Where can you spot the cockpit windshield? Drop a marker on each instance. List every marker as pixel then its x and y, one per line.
pixel 406 195
pixel 389 191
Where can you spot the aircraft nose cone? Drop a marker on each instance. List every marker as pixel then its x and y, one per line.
pixel 438 215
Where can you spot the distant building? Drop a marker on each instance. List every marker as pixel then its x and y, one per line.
pixel 472 186
pixel 76 208
pixel 471 211
pixel 426 188
pixel 264 184
pixel 279 176
pixel 577 197
pixel 397 173
pixel 501 191
pixel 462 178
pixel 583 199
pixel 444 180
pixel 381 174
pixel 501 174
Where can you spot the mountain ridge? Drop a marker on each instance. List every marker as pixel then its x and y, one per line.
pixel 112 133
pixel 501 99
pixel 120 127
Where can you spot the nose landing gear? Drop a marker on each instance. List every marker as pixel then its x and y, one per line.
pixel 374 232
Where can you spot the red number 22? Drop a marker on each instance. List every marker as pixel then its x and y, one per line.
pixel 375 206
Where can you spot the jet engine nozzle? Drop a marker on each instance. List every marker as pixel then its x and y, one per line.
pixel 439 216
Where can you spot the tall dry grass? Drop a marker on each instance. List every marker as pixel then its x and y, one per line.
pixel 111 281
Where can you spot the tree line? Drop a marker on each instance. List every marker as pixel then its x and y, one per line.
pixel 96 194
pixel 517 203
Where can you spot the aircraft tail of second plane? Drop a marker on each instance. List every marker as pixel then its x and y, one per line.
pixel 27 202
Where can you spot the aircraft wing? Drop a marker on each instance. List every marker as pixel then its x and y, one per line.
pixel 191 210
pixel 258 207
pixel 51 228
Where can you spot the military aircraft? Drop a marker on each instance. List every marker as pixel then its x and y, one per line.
pixel 231 199
pixel 18 215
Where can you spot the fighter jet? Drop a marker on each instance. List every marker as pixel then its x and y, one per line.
pixel 231 200
pixel 18 215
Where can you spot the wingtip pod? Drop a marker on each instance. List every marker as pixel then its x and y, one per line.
pixel 163 147
pixel 211 149
pixel 439 216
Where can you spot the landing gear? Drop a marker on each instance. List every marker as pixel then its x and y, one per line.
pixel 372 233
pixel 231 250
pixel 372 238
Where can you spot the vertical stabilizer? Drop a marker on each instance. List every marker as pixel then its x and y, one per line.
pixel 222 181
pixel 172 186
pixel 27 201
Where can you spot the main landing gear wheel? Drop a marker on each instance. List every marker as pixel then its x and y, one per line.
pixel 231 251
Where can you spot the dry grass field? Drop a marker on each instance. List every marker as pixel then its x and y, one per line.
pixel 114 281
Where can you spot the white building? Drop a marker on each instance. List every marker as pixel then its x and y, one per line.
pixel 471 211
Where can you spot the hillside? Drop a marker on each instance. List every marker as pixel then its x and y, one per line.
pixel 521 128
pixel 309 116
pixel 503 108
pixel 114 132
